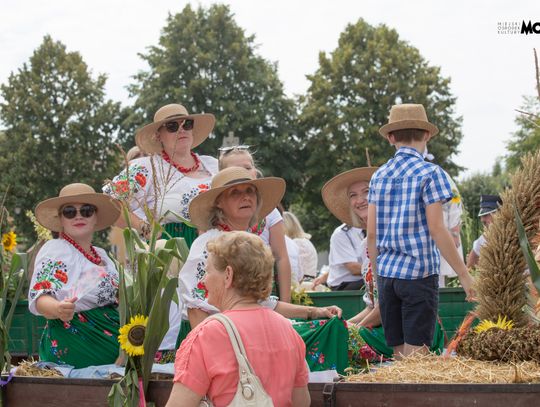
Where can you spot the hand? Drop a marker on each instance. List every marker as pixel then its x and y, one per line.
pixel 66 308
pixel 319 280
pixel 327 312
pixel 467 283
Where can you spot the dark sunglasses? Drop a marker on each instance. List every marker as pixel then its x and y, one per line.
pixel 172 127
pixel 86 211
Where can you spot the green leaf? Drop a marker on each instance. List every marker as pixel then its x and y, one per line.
pixel 526 249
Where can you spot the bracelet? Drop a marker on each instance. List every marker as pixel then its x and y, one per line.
pixel 309 314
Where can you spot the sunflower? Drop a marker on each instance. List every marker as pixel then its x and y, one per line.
pixel 131 336
pixel 9 241
pixel 486 324
pixel 456 197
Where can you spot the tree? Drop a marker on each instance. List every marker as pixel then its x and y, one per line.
pixel 350 97
pixel 206 62
pixel 527 138
pixel 59 128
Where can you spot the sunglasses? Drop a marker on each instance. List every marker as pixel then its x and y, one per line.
pixel 172 127
pixel 86 211
pixel 227 150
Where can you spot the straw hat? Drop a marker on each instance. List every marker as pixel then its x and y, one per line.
pixel 334 192
pixel 203 124
pixel 408 116
pixel 47 211
pixel 271 190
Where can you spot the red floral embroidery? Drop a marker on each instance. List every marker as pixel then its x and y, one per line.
pixel 107 332
pixel 61 276
pixel 82 318
pixel 44 285
pixel 121 187
pixel 321 358
pixel 203 187
pixel 141 179
pixel 202 287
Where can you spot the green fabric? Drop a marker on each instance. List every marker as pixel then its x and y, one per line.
pixel 181 230
pixel 326 343
pixel 185 329
pixel 374 337
pixel 89 339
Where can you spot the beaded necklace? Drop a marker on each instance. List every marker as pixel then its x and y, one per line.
pixel 255 229
pixel 93 256
pixel 183 170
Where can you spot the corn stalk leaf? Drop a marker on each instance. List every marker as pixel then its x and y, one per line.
pixel 526 249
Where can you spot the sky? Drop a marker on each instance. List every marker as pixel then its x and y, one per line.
pixel 490 72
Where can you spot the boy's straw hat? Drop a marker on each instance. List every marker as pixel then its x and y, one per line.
pixel 408 116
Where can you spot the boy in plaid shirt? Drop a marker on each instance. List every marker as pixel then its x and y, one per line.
pixel 405 229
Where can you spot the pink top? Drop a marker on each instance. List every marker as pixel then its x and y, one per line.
pixel 205 362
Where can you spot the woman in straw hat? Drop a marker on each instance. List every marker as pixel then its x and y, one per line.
pixel 273 230
pixel 165 181
pixel 75 284
pixel 236 200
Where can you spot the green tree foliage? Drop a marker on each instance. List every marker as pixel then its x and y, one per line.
pixel 58 128
pixel 350 97
pixel 527 138
pixel 206 62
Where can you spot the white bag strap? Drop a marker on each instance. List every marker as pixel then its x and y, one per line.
pixel 236 341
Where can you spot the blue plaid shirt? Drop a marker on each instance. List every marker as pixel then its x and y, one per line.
pixel 401 189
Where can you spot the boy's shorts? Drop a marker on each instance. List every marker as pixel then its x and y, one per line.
pixel 409 309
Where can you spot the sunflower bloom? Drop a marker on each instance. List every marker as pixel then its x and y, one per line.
pixel 9 241
pixel 456 197
pixel 131 336
pixel 486 324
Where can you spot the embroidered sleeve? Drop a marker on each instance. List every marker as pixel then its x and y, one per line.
pixel 49 277
pixel 130 186
pixel 191 277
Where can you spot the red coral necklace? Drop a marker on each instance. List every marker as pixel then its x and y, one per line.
pixel 255 229
pixel 93 256
pixel 183 170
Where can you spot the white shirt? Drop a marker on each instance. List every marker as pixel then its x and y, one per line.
pixel 452 211
pixel 345 247
pixel 272 219
pixel 166 190
pixel 478 243
pixel 307 257
pixel 62 271
pixel 294 258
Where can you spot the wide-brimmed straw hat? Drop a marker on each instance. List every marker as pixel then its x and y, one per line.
pixel 271 190
pixel 47 212
pixel 334 192
pixel 203 124
pixel 408 116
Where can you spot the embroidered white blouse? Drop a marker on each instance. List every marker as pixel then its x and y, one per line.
pixel 61 271
pixel 191 287
pixel 165 190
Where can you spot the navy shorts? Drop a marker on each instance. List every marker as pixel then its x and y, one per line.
pixel 408 309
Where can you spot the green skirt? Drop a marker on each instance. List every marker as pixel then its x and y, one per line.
pixel 326 343
pixel 181 230
pixel 89 339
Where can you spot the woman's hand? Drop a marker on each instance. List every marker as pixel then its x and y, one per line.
pixel 66 308
pixel 327 312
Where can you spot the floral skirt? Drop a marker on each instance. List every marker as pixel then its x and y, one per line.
pixel 89 339
pixel 326 343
